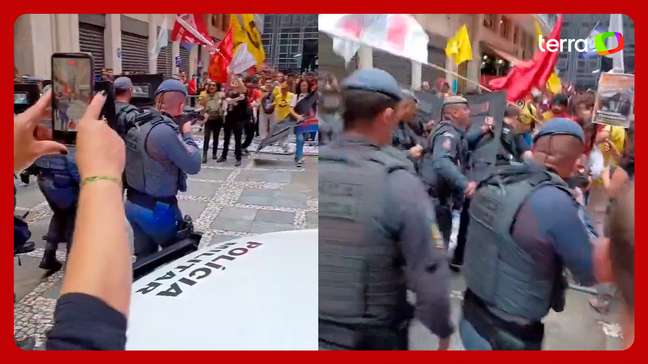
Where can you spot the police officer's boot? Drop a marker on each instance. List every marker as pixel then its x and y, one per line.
pixel 204 160
pixel 49 261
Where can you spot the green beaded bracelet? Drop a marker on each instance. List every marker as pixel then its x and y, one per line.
pixel 91 179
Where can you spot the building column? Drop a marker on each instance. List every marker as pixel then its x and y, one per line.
pixel 33 33
pixel 175 52
pixel 193 61
pixel 66 27
pixel 417 74
pixel 112 43
pixel 152 40
pixel 365 57
pixel 473 71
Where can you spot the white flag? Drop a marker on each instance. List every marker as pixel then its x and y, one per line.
pixel 345 48
pixel 241 60
pixel 616 25
pixel 162 39
pixel 398 34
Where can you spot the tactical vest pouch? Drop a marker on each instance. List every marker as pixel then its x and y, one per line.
pixel 500 334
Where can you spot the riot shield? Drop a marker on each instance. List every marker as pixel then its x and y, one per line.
pixel 278 131
pixel 428 107
pixel 144 87
pixel 483 157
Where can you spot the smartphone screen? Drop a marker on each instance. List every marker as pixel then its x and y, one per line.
pixel 72 89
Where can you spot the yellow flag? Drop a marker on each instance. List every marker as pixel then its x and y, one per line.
pixel 458 47
pixel 244 30
pixel 538 29
pixel 553 83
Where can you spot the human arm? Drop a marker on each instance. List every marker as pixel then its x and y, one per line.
pixel 614 181
pixel 95 296
pixel 568 232
pixel 165 143
pixel 30 138
pixel 421 245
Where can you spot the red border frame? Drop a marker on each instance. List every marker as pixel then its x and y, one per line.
pixel 12 10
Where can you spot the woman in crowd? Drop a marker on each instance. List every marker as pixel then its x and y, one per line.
pixel 235 117
pixel 266 109
pixel 306 107
pixel 213 102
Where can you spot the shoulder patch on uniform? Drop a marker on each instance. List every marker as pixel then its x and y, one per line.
pixel 447 144
pixel 448 134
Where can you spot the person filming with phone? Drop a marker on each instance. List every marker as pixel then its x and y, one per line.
pixel 160 152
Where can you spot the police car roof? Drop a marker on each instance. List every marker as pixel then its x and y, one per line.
pixel 256 292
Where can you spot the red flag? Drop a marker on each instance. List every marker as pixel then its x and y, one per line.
pixel 190 28
pixel 221 59
pixel 525 75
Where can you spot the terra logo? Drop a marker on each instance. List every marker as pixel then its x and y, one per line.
pixel 597 42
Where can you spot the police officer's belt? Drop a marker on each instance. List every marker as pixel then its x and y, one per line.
pixel 148 201
pixel 501 334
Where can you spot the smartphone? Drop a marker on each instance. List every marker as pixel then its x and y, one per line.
pixel 72 90
pixel 108 111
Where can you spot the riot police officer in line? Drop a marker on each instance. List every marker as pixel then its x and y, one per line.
pixel 328 110
pixel 124 111
pixel 160 152
pixel 408 135
pixel 512 149
pixel 517 244
pixel 444 166
pixel 377 234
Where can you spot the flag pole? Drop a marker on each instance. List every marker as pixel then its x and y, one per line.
pixel 441 69
pixel 457 75
pixel 423 63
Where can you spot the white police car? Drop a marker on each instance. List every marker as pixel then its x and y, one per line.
pixel 256 293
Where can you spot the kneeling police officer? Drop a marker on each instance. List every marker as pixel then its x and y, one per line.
pixel 58 179
pixel 517 244
pixel 160 152
pixel 377 232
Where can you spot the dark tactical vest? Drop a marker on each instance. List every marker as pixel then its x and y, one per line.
pixel 330 127
pixel 496 268
pixel 361 281
pixel 144 174
pixel 400 156
pixel 126 115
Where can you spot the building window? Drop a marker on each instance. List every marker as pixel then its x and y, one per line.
pixel 505 28
pixel 530 43
pixel 516 34
pixel 490 21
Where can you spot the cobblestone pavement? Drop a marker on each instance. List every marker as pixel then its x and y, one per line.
pixel 267 193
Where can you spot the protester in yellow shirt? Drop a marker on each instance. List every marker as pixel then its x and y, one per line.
pixel 284 103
